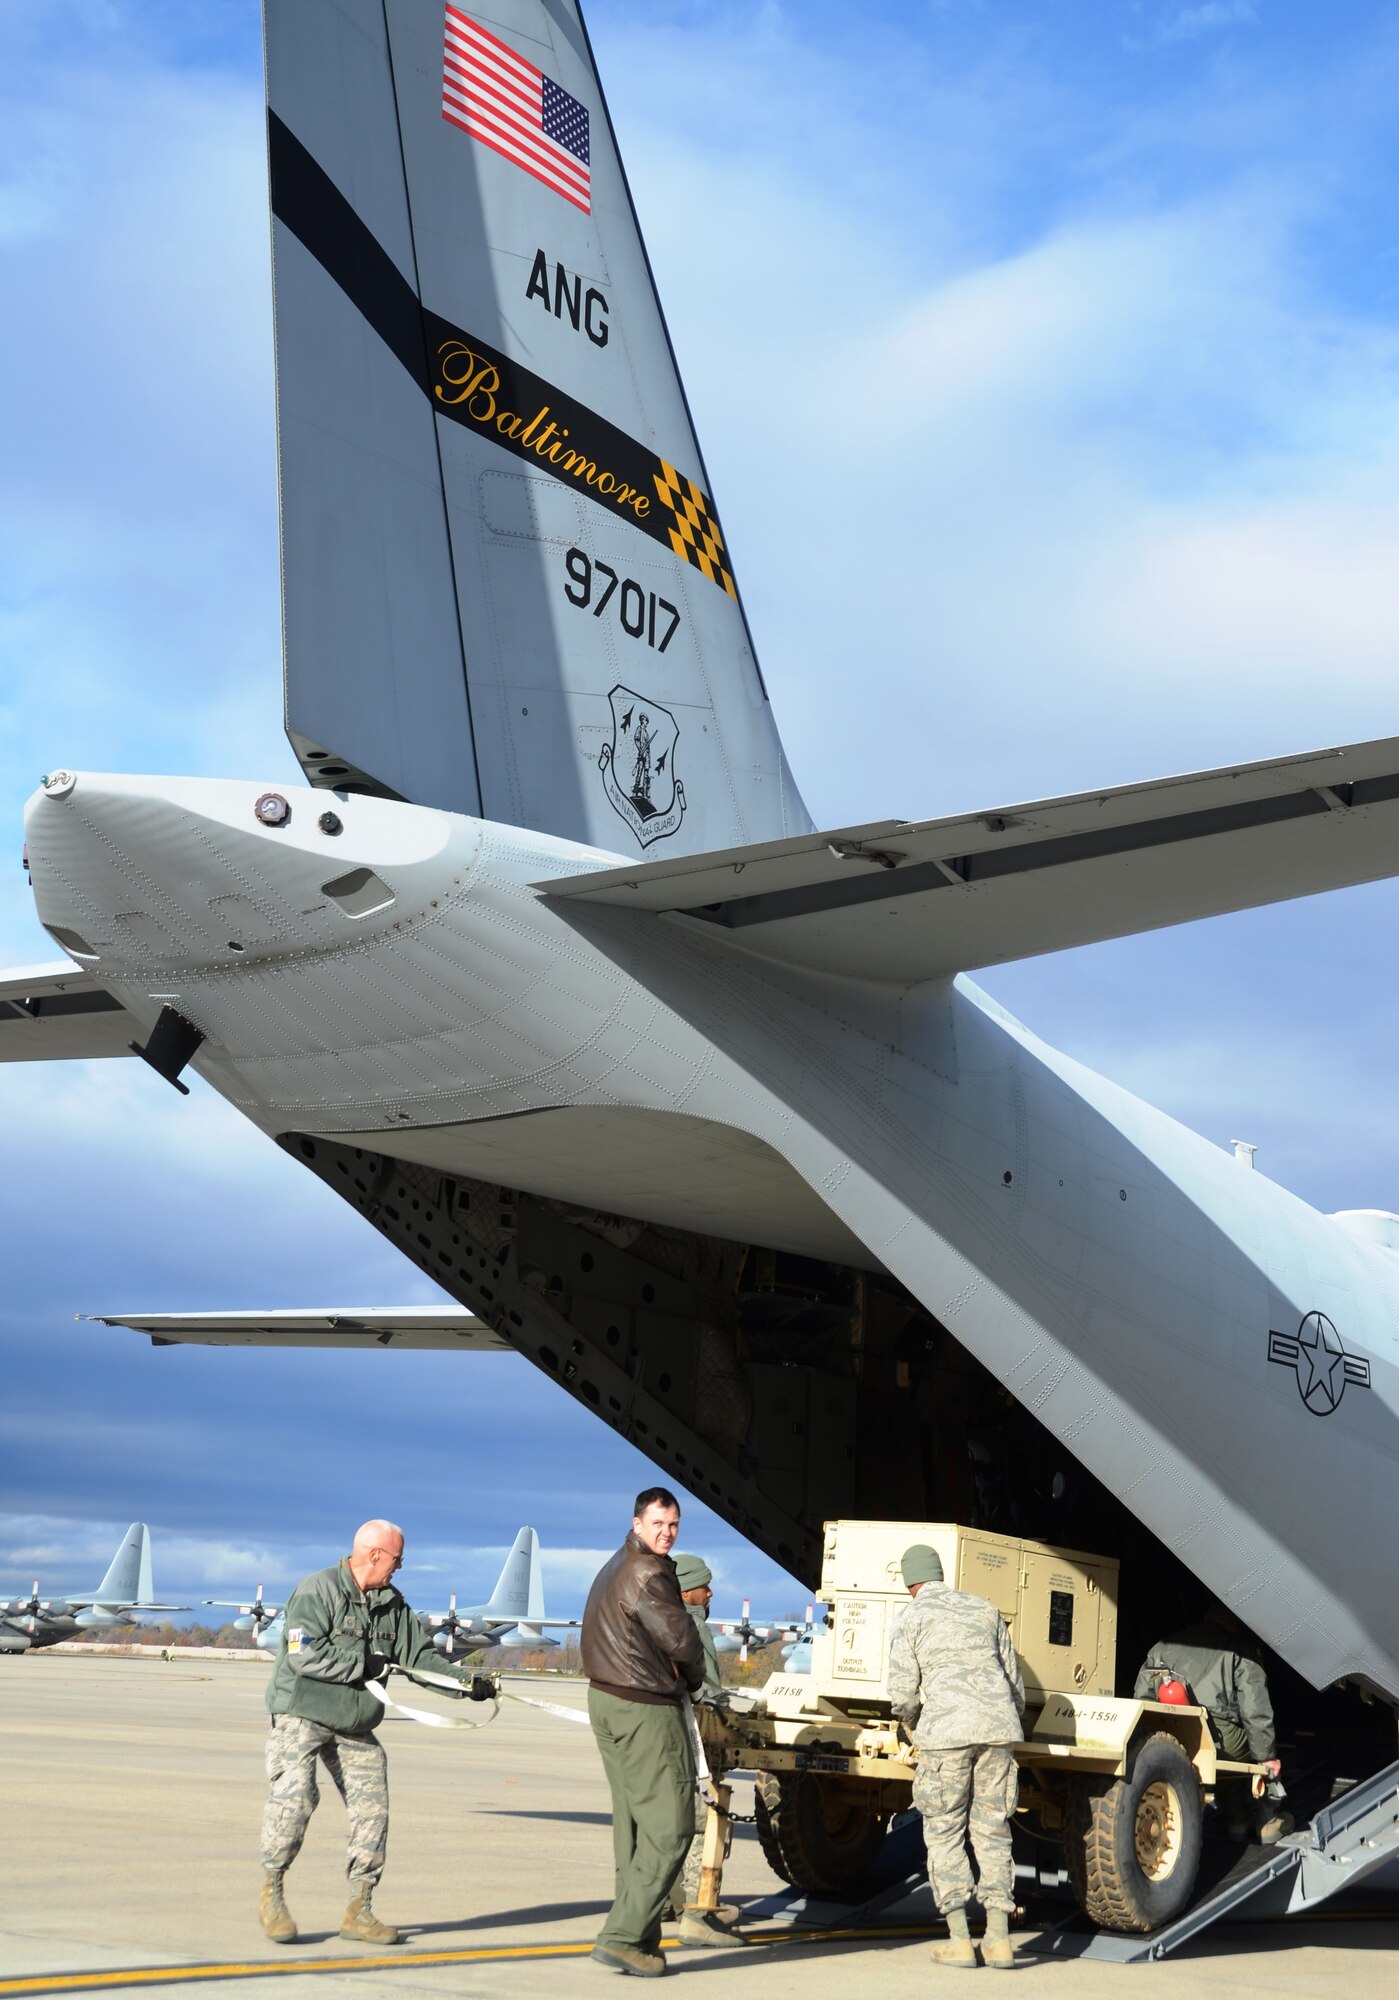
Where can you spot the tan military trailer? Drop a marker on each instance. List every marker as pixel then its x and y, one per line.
pixel 1123 1784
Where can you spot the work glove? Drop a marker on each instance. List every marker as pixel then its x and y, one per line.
pixel 482 1688
pixel 375 1666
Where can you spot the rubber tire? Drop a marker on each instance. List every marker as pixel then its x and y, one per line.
pixel 819 1852
pixel 1100 1816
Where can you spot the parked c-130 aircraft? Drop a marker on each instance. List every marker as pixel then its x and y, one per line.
pixel 548 973
pixel 513 1615
pixel 127 1589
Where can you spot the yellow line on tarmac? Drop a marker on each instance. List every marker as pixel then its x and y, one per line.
pixel 176 1975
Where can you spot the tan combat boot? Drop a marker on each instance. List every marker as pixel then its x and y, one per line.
pixel 959 1949
pixel 359 1921
pixel 629 1958
pixel 713 1928
pixel 995 1945
pixel 956 1951
pixel 277 1919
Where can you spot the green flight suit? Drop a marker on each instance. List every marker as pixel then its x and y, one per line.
pixel 1221 1678
pixel 1233 1688
pixel 650 1766
pixel 334 1637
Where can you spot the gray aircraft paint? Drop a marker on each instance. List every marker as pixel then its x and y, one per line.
pixel 1121 1276
pixel 515 1606
pixel 519 1590
pixel 127 1586
pixel 128 1579
pixel 755 1067
pixel 513 1614
pixel 435 642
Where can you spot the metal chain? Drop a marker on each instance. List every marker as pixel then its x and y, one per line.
pixel 738 1818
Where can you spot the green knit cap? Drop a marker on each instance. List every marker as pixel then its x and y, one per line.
pixel 921 1565
pixel 691 1572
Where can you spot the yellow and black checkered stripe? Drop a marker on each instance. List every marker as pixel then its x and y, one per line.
pixel 695 537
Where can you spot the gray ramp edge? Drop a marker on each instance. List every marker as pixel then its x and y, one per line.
pixel 1347 1841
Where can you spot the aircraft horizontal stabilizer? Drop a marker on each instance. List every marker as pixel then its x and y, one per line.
pixel 120 1604
pixel 53 1012
pixel 556 1624
pixel 913 900
pixel 360 1326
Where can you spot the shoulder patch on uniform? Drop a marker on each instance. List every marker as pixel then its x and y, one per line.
pixel 294 1637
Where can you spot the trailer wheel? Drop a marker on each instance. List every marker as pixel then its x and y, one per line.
pixel 1132 1845
pixel 815 1833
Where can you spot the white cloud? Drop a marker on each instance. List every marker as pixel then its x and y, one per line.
pixel 1212 17
pixel 138 585
pixel 1133 515
pixel 72 1554
pixel 1053 450
pixel 1039 494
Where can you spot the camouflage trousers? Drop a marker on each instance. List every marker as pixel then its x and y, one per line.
pixel 359 1772
pixel 968 1794
pixel 686 1889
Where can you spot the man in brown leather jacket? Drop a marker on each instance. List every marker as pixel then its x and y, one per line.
pixel 642 1653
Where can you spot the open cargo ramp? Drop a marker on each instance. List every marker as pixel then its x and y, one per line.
pixel 1349 1839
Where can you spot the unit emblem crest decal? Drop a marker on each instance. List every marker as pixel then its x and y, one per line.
pixel 638 766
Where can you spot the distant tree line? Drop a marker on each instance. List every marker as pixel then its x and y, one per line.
pixel 163 1635
pixel 494 1659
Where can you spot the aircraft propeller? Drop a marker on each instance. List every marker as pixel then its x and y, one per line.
pixel 745 1631
pixel 795 1635
pixel 30 1606
pixel 447 1625
pixel 254 1617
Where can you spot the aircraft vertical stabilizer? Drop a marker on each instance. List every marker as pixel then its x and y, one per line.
pixel 128 1578
pixel 506 590
pixel 536 1582
pixel 518 1586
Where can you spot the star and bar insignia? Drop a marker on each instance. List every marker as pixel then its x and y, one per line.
pixel 1318 1357
pixel 695 537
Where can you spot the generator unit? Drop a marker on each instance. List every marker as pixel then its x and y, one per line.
pixel 1121 1783
pixel 1060 1604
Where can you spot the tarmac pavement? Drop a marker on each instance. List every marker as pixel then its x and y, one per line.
pixel 133 1791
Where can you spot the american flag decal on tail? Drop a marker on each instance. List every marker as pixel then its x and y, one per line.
pixel 501 99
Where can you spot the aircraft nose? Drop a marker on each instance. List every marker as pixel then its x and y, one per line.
pixel 139 877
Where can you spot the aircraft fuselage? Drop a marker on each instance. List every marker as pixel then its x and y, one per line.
pixel 1216 1352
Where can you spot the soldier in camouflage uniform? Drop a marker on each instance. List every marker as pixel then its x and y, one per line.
pixel 341 1627
pixel 955 1685
pixel 1218 1673
pixel 694 1577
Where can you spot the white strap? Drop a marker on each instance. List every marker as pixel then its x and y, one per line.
pixel 428 1679
pixel 702 1777
pixel 423 1715
pixel 550 1707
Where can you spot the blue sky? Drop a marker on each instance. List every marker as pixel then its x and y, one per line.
pixel 1045 363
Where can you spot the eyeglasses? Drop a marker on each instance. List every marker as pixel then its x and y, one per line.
pixel 395 1562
